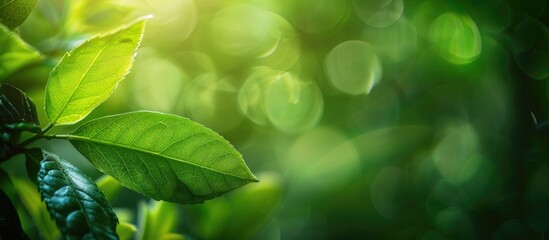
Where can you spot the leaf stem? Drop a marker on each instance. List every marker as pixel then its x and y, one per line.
pixel 37 136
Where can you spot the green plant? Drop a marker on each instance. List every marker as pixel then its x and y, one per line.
pixel 165 157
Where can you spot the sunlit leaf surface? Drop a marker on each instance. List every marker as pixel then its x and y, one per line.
pixel 86 76
pixel 163 156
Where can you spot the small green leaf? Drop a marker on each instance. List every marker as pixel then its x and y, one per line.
pixel 86 76
pixel 163 156
pixel 74 201
pixel 14 12
pixel 18 110
pixel 10 224
pixel 15 53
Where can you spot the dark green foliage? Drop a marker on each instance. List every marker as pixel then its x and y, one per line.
pixel 18 113
pixel 32 163
pixel 79 208
pixel 10 225
pixel 18 110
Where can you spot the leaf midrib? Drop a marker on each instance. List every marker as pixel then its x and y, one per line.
pixel 83 75
pixel 141 150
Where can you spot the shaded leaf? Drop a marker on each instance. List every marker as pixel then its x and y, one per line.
pixel 6 184
pixel 79 208
pixel 163 156
pixel 32 163
pixel 10 224
pixel 86 76
pixel 18 110
pixel 15 52
pixel 14 12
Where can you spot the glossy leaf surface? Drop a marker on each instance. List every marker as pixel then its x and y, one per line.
pixel 15 53
pixel 79 208
pixel 86 76
pixel 163 156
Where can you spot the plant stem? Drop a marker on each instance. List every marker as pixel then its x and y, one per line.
pixel 35 137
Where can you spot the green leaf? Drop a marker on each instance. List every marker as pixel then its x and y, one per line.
pixel 38 224
pixel 32 163
pixel 156 219
pixel 86 76
pixel 79 208
pixel 163 156
pixel 10 224
pixel 109 186
pixel 18 110
pixel 15 53
pixel 126 231
pixel 14 12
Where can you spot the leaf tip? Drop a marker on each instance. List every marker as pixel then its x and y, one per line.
pixel 145 17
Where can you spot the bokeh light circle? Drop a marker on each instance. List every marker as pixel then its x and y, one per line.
pixel 394 43
pixel 233 31
pixel 149 90
pixel 212 101
pixel 352 67
pixel 457 38
pixel 379 13
pixel 282 99
pixel 293 105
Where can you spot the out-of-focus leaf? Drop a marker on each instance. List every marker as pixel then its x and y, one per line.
pixel 163 156
pixel 79 208
pixel 156 219
pixel 109 186
pixel 32 162
pixel 10 225
pixel 14 12
pixel 126 231
pixel 18 110
pixel 15 52
pixel 86 76
pixel 241 214
pixel 6 184
pixel 38 224
pixel 172 236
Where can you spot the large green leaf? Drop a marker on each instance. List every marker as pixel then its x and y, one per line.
pixel 14 52
pixel 163 156
pixel 14 12
pixel 87 75
pixel 18 111
pixel 79 208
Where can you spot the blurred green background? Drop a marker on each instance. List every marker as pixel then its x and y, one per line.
pixel 372 119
